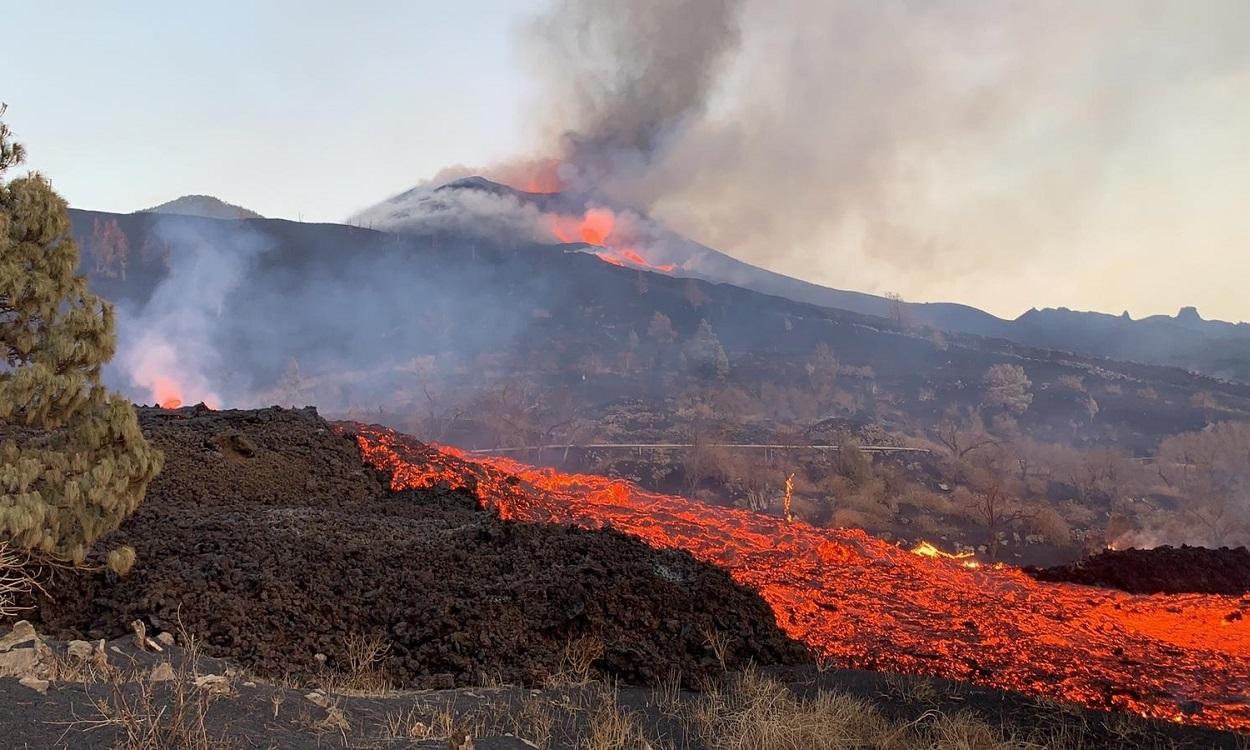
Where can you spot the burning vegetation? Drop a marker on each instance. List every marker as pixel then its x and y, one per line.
pixel 868 604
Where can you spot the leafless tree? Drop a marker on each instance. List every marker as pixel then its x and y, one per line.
pixel 1210 471
pixel 508 410
pixel 440 411
pixel 822 374
pixel 703 460
pixel 991 497
pixel 961 437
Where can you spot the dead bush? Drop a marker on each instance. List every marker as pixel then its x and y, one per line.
pixel 577 662
pixel 164 715
pixel 1048 522
pixel 753 712
pixel 852 462
pixel 16 582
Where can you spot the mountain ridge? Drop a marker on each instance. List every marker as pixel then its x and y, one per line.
pixel 1220 349
pixel 204 206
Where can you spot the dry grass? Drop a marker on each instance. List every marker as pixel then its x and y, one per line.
pixel 362 671
pixel 147 715
pixel 438 723
pixel 753 712
pixel 911 689
pixel 534 722
pixel 668 693
pixel 718 642
pixel 612 728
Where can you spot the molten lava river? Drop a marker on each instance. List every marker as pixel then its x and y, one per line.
pixel 869 604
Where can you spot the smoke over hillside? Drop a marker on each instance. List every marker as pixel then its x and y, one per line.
pixel 928 149
pixel 623 81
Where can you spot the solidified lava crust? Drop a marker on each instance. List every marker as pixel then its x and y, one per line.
pixel 1162 570
pixel 268 538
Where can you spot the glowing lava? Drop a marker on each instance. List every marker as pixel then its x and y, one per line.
pixel 871 605
pixel 925 549
pixel 166 392
pixel 596 227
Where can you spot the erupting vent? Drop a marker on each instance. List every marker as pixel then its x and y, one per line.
pixel 597 226
pixel 871 605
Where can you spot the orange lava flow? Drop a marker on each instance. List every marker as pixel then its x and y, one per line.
pixel 871 605
pixel 595 227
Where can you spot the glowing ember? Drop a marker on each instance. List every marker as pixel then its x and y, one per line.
pixel 925 549
pixel 871 605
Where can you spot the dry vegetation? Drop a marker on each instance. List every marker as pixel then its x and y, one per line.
pixel 747 711
pixel 165 708
pixel 185 708
pixel 16 582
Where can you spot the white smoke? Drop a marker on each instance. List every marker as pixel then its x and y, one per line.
pixel 428 209
pixel 168 347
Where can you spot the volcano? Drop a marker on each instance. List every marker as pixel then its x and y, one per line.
pixel 1211 347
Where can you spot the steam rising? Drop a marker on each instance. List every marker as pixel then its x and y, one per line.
pixel 247 315
pixel 169 351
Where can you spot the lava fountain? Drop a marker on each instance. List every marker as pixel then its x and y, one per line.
pixel 597 226
pixel 870 605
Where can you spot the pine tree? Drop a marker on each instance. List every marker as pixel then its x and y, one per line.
pixel 73 463
pixel 704 354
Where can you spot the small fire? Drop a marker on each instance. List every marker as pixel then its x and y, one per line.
pixel 925 549
pixel 597 226
pixel 157 368
pixel 166 392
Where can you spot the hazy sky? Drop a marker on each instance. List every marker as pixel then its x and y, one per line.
pixel 1005 154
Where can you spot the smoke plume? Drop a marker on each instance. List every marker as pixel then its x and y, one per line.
pixel 624 81
pixel 935 149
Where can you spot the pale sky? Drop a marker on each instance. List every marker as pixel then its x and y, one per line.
pixel 296 108
pixel 1003 155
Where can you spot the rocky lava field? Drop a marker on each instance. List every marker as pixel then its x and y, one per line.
pixel 268 537
pixel 1162 570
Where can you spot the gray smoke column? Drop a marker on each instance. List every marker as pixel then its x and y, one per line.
pixel 957 150
pixel 622 80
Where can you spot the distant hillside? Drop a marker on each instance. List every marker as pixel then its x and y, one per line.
pixel 349 318
pixel 475 205
pixel 205 206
